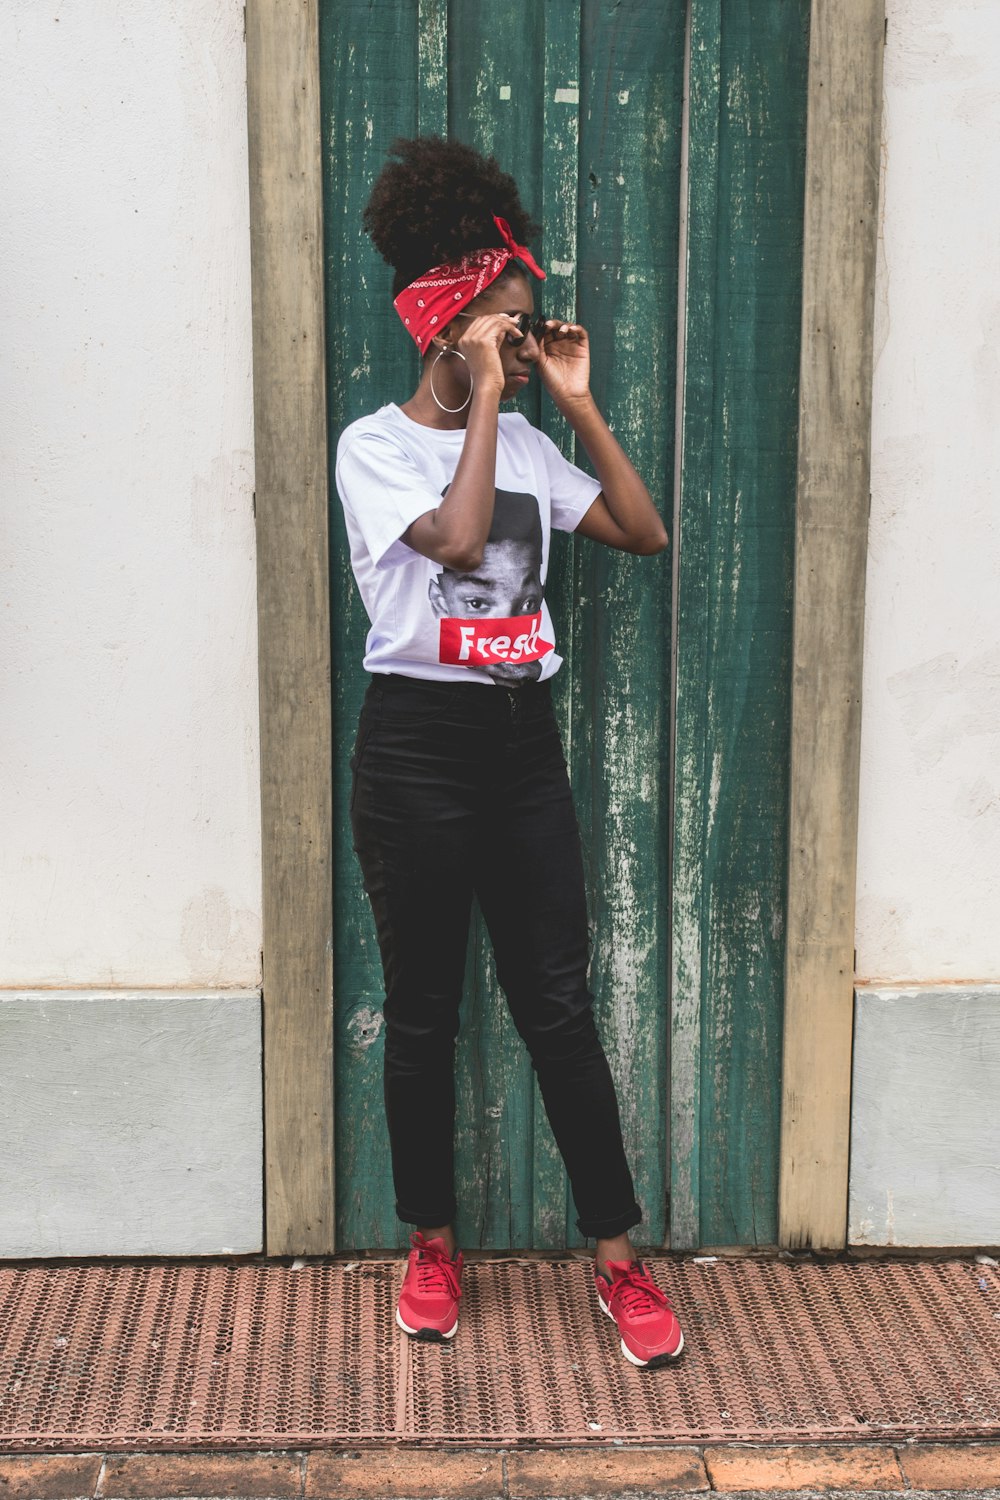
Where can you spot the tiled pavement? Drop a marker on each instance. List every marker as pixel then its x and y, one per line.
pixel 391 1473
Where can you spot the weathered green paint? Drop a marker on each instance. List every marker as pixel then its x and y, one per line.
pixel 368 74
pixel 584 106
pixel 631 79
pixel 560 120
pixel 748 72
pixel 491 105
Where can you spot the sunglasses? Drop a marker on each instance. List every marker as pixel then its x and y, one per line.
pixel 526 323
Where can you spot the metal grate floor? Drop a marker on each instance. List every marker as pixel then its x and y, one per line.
pixel 184 1355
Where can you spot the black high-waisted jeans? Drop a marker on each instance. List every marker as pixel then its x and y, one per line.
pixel 460 789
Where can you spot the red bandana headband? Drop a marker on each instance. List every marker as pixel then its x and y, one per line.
pixel 428 304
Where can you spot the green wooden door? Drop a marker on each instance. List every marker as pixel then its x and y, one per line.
pixel 735 550
pixel 584 105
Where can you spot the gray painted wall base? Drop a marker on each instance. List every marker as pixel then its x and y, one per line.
pixel 925 1116
pixel 132 1123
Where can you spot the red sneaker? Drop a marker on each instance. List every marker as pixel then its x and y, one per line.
pixel 651 1334
pixel 429 1297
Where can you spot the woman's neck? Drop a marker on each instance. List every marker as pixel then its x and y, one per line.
pixel 443 383
pixel 422 408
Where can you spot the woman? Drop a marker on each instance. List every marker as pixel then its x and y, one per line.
pixel 459 781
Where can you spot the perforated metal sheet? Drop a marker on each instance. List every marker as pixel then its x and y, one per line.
pixel 154 1355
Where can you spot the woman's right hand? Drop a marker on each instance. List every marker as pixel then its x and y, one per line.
pixel 481 344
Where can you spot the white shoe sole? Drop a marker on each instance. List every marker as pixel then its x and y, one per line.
pixel 634 1358
pixel 429 1335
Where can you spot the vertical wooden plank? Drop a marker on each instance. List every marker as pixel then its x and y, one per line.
pixel 554 1213
pixel 293 608
pixel 762 158
pixel 495 77
pixel 369 78
pixel 560 182
pixel 432 67
pixel 737 521
pixel 691 762
pixel 632 74
pixel 842 176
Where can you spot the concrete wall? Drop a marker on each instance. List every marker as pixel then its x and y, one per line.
pixel 129 799
pixel 130 803
pixel 929 852
pixel 925 1140
pixel 146 1107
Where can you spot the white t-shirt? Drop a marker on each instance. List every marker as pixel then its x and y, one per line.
pixel 492 625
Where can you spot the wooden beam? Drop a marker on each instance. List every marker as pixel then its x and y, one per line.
pixel 733 546
pixel 841 203
pixel 294 625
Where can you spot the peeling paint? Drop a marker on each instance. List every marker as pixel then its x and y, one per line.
pixel 365 1026
pixel 890 1218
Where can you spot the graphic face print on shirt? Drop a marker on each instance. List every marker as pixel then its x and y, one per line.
pixel 491 617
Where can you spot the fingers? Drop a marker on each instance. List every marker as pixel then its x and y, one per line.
pixel 480 345
pixel 489 328
pixel 556 330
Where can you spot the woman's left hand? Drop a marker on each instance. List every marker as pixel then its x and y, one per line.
pixel 564 360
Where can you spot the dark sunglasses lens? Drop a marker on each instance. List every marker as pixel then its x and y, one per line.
pixel 525 325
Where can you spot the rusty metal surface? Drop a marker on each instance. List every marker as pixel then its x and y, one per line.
pixel 198 1355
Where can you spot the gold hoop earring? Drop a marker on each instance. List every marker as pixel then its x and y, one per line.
pixel 451 410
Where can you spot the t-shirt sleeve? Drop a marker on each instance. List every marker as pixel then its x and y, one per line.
pixel 383 492
pixel 572 492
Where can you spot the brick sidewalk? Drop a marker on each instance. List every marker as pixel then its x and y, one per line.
pixel 481 1474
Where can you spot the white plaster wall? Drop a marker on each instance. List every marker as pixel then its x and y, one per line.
pixel 128 740
pixel 929 853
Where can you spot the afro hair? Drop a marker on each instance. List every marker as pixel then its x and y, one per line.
pixel 434 200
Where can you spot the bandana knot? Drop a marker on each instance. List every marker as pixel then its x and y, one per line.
pixel 431 301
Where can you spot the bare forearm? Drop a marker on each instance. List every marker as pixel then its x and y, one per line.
pixel 455 533
pixel 628 501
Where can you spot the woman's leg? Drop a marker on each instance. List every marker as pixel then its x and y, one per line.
pixel 413 831
pixel 531 890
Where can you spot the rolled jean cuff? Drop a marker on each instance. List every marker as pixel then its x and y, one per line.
pixel 607 1229
pixel 434 1220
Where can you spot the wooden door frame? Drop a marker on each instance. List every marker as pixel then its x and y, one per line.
pixel 290 441
pixel 843 133
pixel 293 606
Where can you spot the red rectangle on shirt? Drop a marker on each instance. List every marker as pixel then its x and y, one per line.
pixel 487 641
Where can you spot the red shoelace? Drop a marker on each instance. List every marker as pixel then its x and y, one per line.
pixel 638 1293
pixel 435 1271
